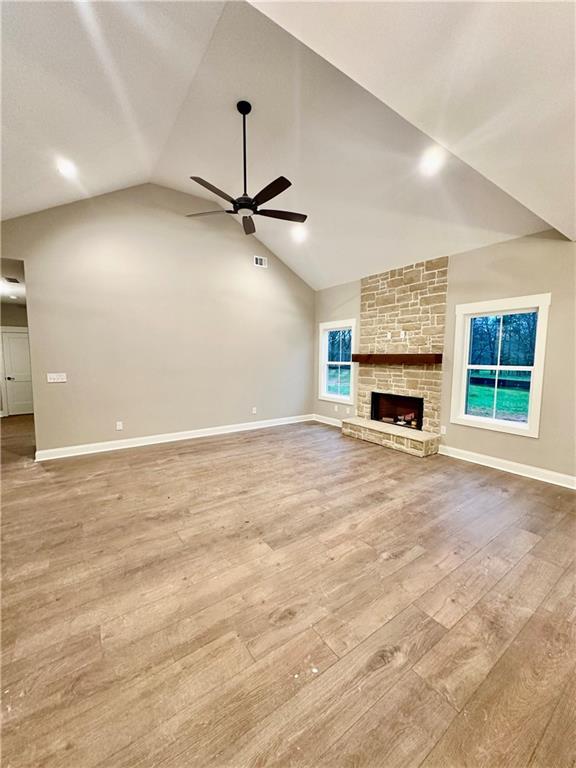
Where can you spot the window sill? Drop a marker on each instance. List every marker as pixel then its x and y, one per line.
pixel 336 399
pixel 496 426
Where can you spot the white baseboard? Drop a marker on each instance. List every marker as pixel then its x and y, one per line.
pixel 535 473
pixel 135 442
pixel 330 420
pixel 526 470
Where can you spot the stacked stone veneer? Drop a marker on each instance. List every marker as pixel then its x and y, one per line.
pixel 403 443
pixel 412 300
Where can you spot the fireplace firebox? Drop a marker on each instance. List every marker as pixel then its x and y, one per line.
pixel 398 409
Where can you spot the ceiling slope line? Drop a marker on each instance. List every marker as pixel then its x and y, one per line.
pixel 178 111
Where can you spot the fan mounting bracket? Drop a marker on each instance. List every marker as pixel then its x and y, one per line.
pixel 244 107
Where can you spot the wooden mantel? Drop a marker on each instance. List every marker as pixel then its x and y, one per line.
pixel 427 358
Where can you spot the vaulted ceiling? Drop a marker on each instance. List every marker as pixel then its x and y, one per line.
pixel 98 83
pixel 134 92
pixel 494 82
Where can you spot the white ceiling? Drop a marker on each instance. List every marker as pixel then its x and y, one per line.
pixel 134 92
pixel 99 83
pixel 494 82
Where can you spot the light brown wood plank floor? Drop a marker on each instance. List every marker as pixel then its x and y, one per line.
pixel 286 597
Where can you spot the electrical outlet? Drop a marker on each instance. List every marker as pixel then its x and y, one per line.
pixel 347 411
pixel 254 410
pixel 335 407
pixel 402 334
pixel 119 426
pixel 442 430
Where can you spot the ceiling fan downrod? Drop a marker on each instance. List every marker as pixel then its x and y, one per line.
pixel 244 107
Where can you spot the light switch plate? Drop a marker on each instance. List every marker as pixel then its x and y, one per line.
pixel 56 378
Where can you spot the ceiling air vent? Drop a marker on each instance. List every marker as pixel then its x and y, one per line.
pixel 12 280
pixel 261 261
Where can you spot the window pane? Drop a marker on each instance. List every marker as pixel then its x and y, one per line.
pixel 480 391
pixel 346 342
pixel 484 340
pixel 338 380
pixel 518 338
pixel 513 395
pixel 333 380
pixel 334 345
pixel 345 373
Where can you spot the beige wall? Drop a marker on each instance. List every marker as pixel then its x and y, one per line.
pixel 159 321
pixel 342 302
pixel 14 315
pixel 538 264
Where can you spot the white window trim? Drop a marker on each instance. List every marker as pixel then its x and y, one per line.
pixel 539 302
pixel 335 325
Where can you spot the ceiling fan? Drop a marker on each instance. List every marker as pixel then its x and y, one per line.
pixel 247 206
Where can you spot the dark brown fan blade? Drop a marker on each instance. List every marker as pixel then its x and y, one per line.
pixel 287 215
pixel 208 213
pixel 248 225
pixel 212 188
pixel 273 189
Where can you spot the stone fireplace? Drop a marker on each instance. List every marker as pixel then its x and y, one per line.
pixel 402 313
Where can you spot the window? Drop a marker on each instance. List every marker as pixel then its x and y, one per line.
pixel 498 364
pixel 336 345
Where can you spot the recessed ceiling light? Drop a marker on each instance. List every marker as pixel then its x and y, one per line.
pixel 66 168
pixel 299 233
pixel 13 297
pixel 432 160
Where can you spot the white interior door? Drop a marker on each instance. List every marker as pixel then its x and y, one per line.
pixel 17 372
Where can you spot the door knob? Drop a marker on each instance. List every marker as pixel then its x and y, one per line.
pixel 9 378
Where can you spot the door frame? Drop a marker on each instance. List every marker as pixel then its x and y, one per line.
pixel 3 390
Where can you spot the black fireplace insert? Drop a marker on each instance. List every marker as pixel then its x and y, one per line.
pixel 398 409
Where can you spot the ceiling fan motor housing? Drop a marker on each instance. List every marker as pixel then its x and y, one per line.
pixel 244 206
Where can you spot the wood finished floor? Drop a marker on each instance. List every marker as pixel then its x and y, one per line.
pixel 286 597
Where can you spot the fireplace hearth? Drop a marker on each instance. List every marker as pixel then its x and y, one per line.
pixel 397 409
